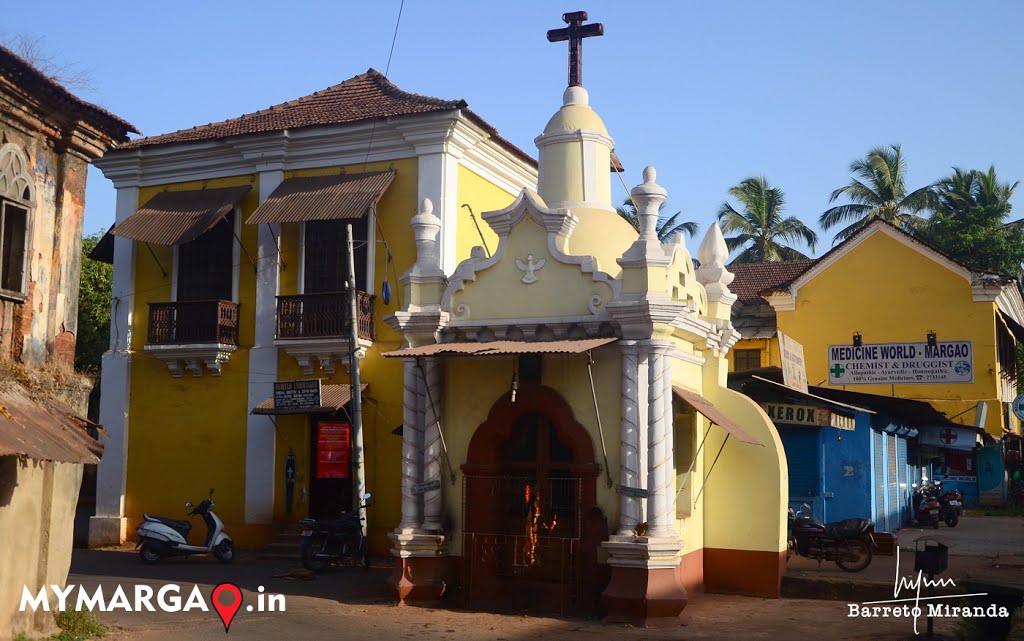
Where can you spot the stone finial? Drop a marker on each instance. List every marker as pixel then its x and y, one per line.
pixel 425 227
pixel 575 95
pixel 648 197
pixel 712 273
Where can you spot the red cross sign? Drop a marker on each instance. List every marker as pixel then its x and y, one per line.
pixel 948 437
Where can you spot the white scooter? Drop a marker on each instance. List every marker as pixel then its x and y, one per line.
pixel 160 537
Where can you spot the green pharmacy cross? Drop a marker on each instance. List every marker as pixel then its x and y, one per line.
pixel 837 370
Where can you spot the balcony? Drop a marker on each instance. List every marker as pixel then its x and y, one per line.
pixel 314 328
pixel 187 335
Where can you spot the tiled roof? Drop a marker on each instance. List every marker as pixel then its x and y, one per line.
pixel 754 278
pixel 368 96
pixel 22 74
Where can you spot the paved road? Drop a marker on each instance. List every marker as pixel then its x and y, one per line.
pixel 988 536
pixel 353 604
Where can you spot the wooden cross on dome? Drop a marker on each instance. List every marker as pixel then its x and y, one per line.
pixel 575 33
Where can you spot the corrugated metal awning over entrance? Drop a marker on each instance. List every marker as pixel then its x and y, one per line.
pixel 175 217
pixel 332 399
pixel 44 430
pixel 503 348
pixel 323 198
pixel 713 414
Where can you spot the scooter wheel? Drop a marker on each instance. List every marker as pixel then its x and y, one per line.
pixel 151 553
pixel 225 552
pixel 309 559
pixel 952 519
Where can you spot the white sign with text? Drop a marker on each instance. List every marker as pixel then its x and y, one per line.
pixel 891 363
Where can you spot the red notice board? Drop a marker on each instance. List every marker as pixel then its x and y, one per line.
pixel 332 450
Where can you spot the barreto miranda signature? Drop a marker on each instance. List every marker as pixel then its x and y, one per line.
pixel 908 607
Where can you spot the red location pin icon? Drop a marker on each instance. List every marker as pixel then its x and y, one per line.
pixel 227 612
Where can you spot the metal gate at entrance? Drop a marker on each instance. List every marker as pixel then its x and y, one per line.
pixel 522 542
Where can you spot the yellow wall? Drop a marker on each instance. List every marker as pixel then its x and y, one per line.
pixel 188 434
pixel 481 195
pixel 769 348
pixel 382 402
pixel 499 293
pixel 919 295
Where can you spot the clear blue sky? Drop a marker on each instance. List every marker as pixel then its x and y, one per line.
pixel 708 92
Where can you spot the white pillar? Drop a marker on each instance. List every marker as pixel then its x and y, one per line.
pixel 109 525
pixel 438 180
pixel 412 455
pixel 660 522
pixel 433 505
pixel 261 437
pixel 629 442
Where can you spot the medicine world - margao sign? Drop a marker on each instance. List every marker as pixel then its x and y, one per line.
pixel 890 363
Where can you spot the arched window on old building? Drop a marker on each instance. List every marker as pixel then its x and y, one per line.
pixel 16 199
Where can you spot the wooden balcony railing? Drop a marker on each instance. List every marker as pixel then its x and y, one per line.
pixel 194 321
pixel 323 315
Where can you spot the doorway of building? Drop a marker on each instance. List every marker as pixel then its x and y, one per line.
pixel 330 479
pixel 531 523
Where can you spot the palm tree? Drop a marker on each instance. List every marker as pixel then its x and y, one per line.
pixel 966 192
pixel 668 226
pixel 878 191
pixel 969 209
pixel 760 230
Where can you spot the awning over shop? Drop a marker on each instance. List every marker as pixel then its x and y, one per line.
pixel 175 217
pixel 336 197
pixel 821 399
pixel 44 430
pixel 332 399
pixel 713 414
pixel 1012 326
pixel 500 348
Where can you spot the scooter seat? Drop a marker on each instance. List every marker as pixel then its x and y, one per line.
pixel 181 526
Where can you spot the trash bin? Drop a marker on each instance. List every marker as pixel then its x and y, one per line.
pixel 931 556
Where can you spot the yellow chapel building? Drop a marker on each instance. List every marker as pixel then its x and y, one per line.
pixel 565 437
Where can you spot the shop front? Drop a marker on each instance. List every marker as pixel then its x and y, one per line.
pixel 314 433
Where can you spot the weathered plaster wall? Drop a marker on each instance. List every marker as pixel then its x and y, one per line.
pixel 37 510
pixel 45 323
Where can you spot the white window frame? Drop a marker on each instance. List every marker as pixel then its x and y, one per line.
pixel 371 240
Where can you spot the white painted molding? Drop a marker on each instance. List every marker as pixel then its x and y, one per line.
pixel 192 357
pixel 324 146
pixel 559 224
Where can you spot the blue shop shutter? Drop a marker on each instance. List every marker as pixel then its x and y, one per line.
pixel 878 477
pixel 804 470
pixel 892 503
pixel 902 492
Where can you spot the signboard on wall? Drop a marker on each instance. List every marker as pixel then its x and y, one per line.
pixel 901 363
pixel 332 450
pixel 794 371
pixel 954 438
pixel 807 415
pixel 294 395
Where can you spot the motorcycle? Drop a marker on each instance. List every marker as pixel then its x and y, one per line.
pixel 951 504
pixel 332 541
pixel 926 507
pixel 159 536
pixel 848 543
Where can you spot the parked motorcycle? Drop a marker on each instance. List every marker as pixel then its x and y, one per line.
pixel 927 510
pixel 160 536
pixel 849 543
pixel 951 504
pixel 332 541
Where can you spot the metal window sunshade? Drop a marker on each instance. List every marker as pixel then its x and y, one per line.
pixel 336 197
pixel 175 217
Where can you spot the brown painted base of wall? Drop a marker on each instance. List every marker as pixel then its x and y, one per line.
pixel 748 572
pixel 418 580
pixel 644 597
pixel 691 573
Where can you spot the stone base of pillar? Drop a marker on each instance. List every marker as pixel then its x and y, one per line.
pixel 420 571
pixel 644 589
pixel 107 530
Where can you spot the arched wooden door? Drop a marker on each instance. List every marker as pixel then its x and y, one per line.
pixel 531 522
